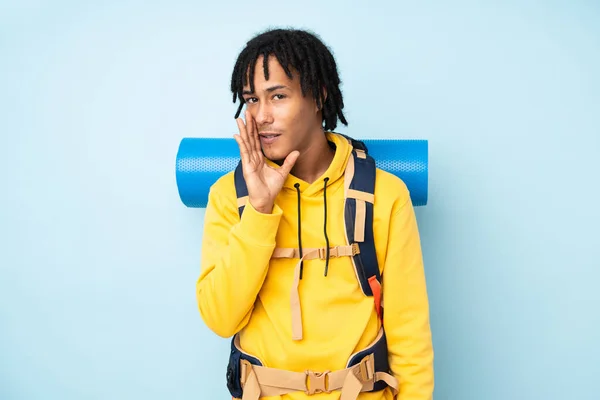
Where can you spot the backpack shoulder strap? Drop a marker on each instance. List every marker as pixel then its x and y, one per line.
pixel 356 144
pixel 358 216
pixel 240 188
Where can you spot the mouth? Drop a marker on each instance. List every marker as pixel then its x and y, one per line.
pixel 268 138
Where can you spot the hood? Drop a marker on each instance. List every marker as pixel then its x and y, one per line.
pixel 335 171
pixel 327 184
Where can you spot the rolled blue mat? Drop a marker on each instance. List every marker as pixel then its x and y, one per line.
pixel 201 161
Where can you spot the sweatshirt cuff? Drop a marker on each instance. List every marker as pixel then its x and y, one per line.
pixel 259 228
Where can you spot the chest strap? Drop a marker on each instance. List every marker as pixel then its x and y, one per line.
pixel 316 253
pixel 308 254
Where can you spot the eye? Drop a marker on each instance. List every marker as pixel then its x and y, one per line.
pixel 279 96
pixel 251 100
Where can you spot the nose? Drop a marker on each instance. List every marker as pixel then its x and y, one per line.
pixel 263 116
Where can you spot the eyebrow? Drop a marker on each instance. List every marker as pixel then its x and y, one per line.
pixel 269 89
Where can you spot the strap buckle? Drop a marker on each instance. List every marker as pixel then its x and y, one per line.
pixel 355 249
pixel 365 368
pixel 333 252
pixel 317 382
pixel 245 369
pixel 323 253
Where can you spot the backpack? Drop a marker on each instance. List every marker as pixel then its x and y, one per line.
pixel 371 364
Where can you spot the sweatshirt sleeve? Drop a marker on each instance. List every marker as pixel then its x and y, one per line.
pixel 234 262
pixel 406 308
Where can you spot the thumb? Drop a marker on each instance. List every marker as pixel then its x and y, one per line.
pixel 289 162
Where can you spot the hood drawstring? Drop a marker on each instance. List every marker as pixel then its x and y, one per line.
pixel 294 296
pixel 297 186
pixel 325 225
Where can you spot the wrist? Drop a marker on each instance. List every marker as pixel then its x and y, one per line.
pixel 262 207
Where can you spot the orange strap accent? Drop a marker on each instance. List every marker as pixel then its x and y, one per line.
pixel 376 289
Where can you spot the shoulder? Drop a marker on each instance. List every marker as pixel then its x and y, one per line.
pixel 391 192
pixel 390 185
pixel 222 193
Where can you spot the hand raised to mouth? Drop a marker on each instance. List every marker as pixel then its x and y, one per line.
pixel 263 181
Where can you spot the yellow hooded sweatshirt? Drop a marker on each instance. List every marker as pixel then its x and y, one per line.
pixel 242 289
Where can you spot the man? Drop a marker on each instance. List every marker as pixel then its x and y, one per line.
pixel 279 269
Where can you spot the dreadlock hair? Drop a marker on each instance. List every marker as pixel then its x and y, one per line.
pixel 302 51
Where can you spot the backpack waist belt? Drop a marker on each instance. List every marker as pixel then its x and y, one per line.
pixel 366 371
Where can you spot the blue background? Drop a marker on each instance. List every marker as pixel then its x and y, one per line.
pixel 99 257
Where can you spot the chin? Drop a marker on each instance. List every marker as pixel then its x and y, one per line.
pixel 276 155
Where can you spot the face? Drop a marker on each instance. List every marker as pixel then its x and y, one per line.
pixel 285 119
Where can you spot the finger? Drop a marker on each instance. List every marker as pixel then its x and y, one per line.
pixel 244 151
pixel 247 136
pixel 257 146
pixel 244 138
pixel 289 162
pixel 254 141
pixel 243 130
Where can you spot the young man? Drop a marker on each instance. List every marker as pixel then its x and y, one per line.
pixel 282 272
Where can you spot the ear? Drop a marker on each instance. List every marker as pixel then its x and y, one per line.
pixel 323 98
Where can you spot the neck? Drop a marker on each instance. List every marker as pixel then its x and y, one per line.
pixel 314 159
